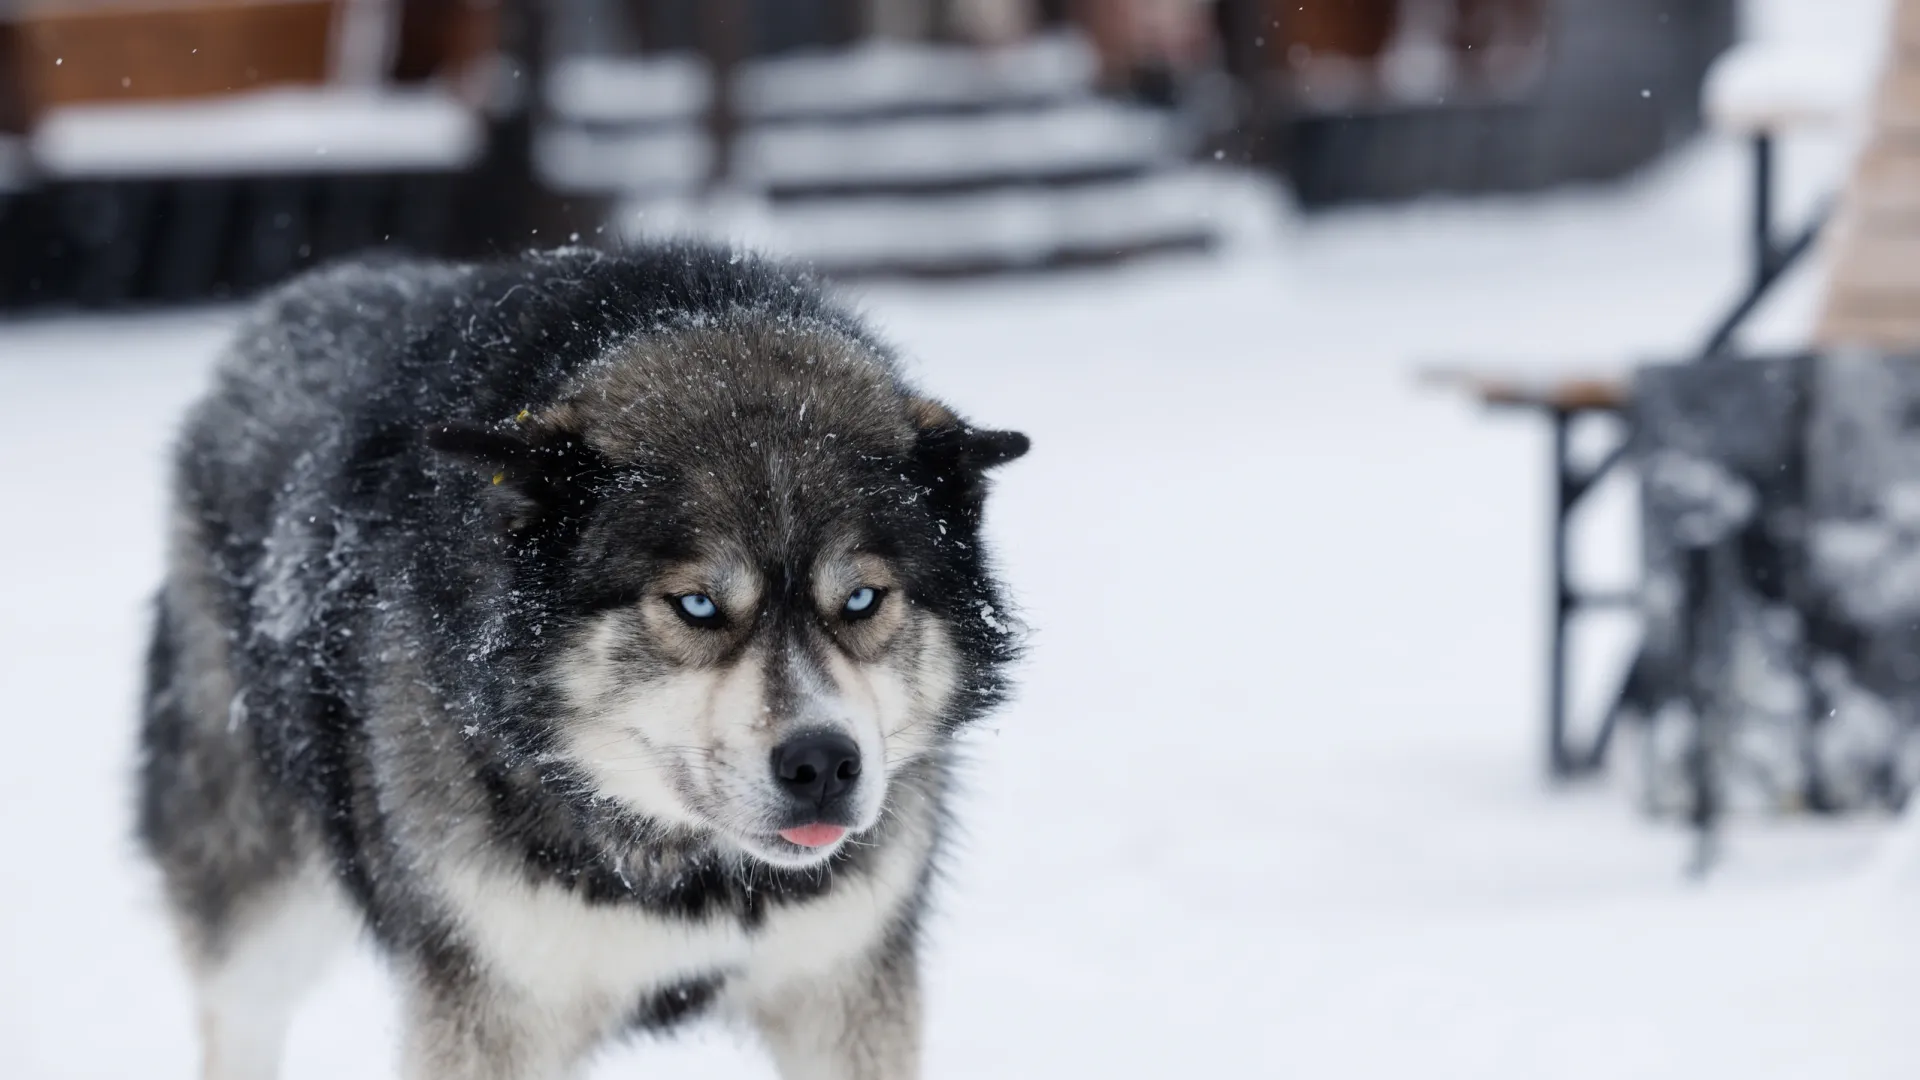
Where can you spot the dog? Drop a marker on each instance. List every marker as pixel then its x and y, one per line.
pixel 590 631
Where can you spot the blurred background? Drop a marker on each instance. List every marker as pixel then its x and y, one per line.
pixel 159 151
pixel 1471 545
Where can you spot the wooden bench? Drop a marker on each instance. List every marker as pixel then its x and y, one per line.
pixel 1548 393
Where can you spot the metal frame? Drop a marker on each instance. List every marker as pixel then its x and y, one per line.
pixel 1771 258
pixel 1571 485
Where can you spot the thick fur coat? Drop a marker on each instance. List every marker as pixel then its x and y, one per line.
pixel 588 630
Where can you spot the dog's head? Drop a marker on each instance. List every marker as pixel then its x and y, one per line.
pixel 761 556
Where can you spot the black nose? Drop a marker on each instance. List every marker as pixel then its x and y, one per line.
pixel 818 766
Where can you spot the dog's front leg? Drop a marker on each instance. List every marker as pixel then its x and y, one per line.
pixel 473 1031
pixel 862 1023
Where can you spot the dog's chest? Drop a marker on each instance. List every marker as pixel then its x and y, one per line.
pixel 555 946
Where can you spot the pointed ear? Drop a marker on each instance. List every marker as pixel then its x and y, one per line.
pixel 982 449
pixel 958 455
pixel 965 446
pixel 538 474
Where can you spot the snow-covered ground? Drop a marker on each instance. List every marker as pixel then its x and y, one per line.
pixel 1269 803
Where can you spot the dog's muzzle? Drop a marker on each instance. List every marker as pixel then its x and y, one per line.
pixel 818 771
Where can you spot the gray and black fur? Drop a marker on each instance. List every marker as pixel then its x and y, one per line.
pixel 423 662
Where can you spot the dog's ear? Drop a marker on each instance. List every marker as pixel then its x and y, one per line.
pixel 956 454
pixel 537 474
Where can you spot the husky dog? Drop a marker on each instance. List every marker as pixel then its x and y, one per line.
pixel 591 631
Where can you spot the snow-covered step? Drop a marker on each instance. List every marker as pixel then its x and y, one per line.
pixel 1006 228
pixel 949 150
pixel 1060 143
pixel 656 160
pixel 619 91
pixel 271 132
pixel 876 78
pixel 895 76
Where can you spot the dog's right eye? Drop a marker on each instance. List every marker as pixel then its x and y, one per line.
pixel 698 607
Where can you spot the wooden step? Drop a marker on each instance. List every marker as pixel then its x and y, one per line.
pixel 896 77
pixel 876 79
pixel 980 232
pixel 1070 142
pixel 578 160
pixel 1074 136
pixel 619 92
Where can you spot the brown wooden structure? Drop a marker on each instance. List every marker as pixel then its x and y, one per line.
pixel 75 53
pixel 152 150
pixel 1873 292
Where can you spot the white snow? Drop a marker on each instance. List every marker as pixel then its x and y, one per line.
pixel 1268 803
pixel 269 132
pixel 609 90
pixel 1015 225
pixel 880 75
pixel 1761 86
pixel 578 159
pixel 1089 134
pixel 885 74
pixel 1086 135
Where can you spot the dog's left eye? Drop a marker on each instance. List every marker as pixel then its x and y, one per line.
pixel 862 602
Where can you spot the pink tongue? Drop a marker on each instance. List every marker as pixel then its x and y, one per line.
pixel 814 835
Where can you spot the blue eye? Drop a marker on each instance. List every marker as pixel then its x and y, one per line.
pixel 699 606
pixel 862 601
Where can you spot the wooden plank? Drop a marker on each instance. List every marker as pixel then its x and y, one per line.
pixel 1886 180
pixel 1878 260
pixel 1873 285
pixel 1881 328
pixel 1897 106
pixel 1906 27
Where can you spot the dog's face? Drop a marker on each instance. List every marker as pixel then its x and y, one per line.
pixel 772 581
pixel 768 702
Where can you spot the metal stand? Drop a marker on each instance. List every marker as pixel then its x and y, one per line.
pixel 1571 485
pixel 1771 259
